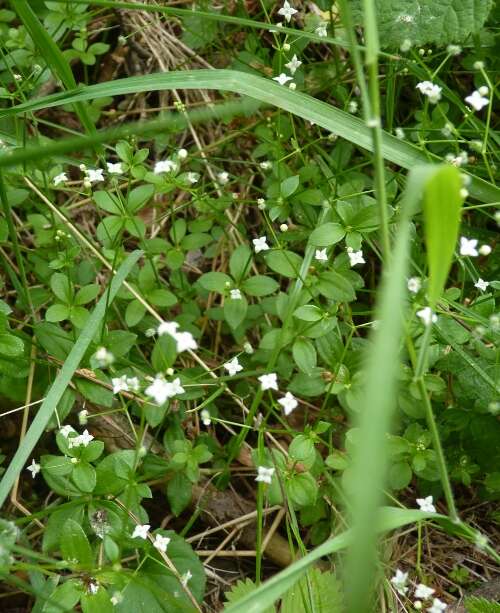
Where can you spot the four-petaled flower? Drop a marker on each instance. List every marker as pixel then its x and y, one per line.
pixel 264 474
pixel 192 177
pixel 429 89
pixel 141 531
pixel 233 367
pixel 287 11
pixel 293 64
pixel 282 79
pixel 167 327
pixel 164 166
pixel 61 178
pixel 34 468
pixel 423 592
pixel 80 440
pixel 235 294
pixel 161 390
pixel 414 285
pixel 260 244
pixel 269 381
pixel 426 504
pixel 103 357
pixel 481 284
pixel 95 176
pixel 476 101
pixel 288 402
pixel 66 430
pixel 321 30
pixel 115 169
pixel 186 577
pixel 223 177
pixel 399 582
pixel 355 257
pixel 161 542
pixel 321 255
pixel 437 606
pixel 427 316
pixel 468 247
pixel 185 341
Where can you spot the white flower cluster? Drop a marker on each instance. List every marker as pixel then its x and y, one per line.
pixel 184 340
pixel 429 89
pixel 161 390
pixel 160 542
pixel 422 592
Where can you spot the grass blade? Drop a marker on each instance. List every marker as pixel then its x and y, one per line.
pixel 63 379
pixel 339 122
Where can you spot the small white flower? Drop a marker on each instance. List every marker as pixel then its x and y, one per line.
pixel 235 294
pixel 141 531
pixel 483 90
pixel 282 79
pixel 484 250
pixel 223 177
pixel 192 177
pixel 478 65
pixel 355 257
pixel 437 606
pixel 117 598
pixel 417 604
pixel 265 165
pixel 247 348
pixel 269 381
pixel 426 504
pixel 133 384
pixel 159 390
pixel 80 440
pixel 66 430
pixel 423 592
pixel 457 160
pixel 292 86
pixel 427 316
pixel 352 107
pixel 476 101
pixel 186 577
pixel 95 175
pixel 164 166
pixel 286 47
pixel 176 387
pixel 103 357
pixel 17 76
pixel 293 64
pixel 406 45
pixel 288 402
pixel 115 169
pixel 34 468
pixel 429 89
pixel 83 417
pixel 287 11
pixel 161 542
pixel 233 367
pixel 168 327
pixel 454 49
pixel 182 154
pixel 481 284
pixel 120 384
pixel 399 582
pixel 284 227
pixel 321 255
pixel 185 341
pixel 264 474
pixel 468 246
pixel 321 30
pixel 205 417
pixel 414 284
pixel 93 587
pixel 61 178
pixel 261 203
pixel 260 244
pixel 399 133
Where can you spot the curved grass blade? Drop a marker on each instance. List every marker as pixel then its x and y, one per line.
pixel 339 122
pixel 64 377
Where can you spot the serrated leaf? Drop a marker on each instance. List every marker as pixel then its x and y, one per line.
pixel 316 591
pixel 241 589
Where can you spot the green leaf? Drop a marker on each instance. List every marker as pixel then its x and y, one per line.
pixel 442 211
pixel 399 475
pixel 289 186
pixel 75 545
pixel 64 597
pixel 316 591
pixel 139 197
pixel 84 477
pixel 286 263
pixel 302 450
pixel 11 345
pixel 240 262
pixel 235 311
pixel 109 228
pixel 86 294
pixel 302 490
pixel 215 281
pixel 334 286
pixel 304 354
pixel 327 234
pixel 99 602
pixel 162 298
pixel 58 518
pixel 61 286
pixel 134 312
pixel 108 202
pixel 259 285
pixel 308 312
pixel 57 312
pixel 481 605
pixel 53 339
pixel 179 491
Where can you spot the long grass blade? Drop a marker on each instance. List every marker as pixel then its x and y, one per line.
pixel 64 377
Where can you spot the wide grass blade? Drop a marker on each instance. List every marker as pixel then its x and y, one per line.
pixel 339 122
pixel 64 377
pixel 442 211
pixel 264 596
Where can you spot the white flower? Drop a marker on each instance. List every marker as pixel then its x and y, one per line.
pixel 427 316
pixel 141 531
pixel 265 165
pixel 116 598
pixel 284 227
pixel 103 357
pixel 423 592
pixel 454 49
pixel 287 11
pixel 468 246
pixel 133 384
pixel 34 468
pixel 483 90
pixel 83 417
pixel 293 64
pixel 192 177
pixel 321 255
pixel 282 79
pixel 119 384
pixel 164 166
pixel 233 367
pixel 115 169
pixel 261 203
pixel 432 91
pixel 260 244
pixel 417 604
pixel 481 284
pixel 168 327
pixel 426 504
pixel 437 606
pixel 159 390
pixel 414 284
pixel 223 177
pixel 66 430
pixel 457 160
pixel 182 154
pixel 292 86
pixel 400 133
pixel 161 542
pixel 476 101
pixel 264 474
pixel 484 250
pixel 247 347
pixel 321 30
pixel 93 587
pixel 355 257
pixel 95 176
pixel 205 417
pixel 399 582
pixel 352 107
pixel 288 402
pixel 80 440
pixel 186 577
pixel 235 294
pixel 185 341
pixel 177 387
pixel 269 381
pixel 61 178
